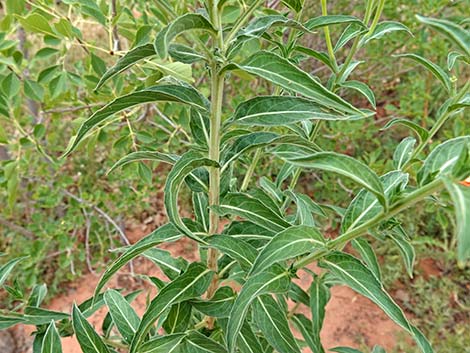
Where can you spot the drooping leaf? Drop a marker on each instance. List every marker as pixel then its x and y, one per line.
pixel 436 70
pixel 304 325
pixel 122 313
pixel 217 306
pixel 130 58
pixel 167 93
pixel 420 131
pixel 170 266
pixel 144 156
pixel 318 55
pixel 51 341
pixel 353 273
pixel 281 72
pixel 460 195
pixel 283 111
pixel 292 242
pixel 272 321
pixel 163 344
pixel 165 233
pixel 457 34
pixel 362 88
pixel 248 207
pixel 89 340
pixel 403 152
pixel 273 280
pixel 243 252
pixel 191 284
pixel 188 162
pixel 384 28
pixel 367 253
pixel 346 166
pixel 187 22
pixel 319 297
pixel 365 205
pixel 406 249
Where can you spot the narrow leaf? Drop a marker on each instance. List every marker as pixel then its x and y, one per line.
pixel 6 269
pixel 163 344
pixel 196 342
pixel 123 315
pixel 89 340
pixel 51 341
pixel 243 252
pixel 403 152
pixel 144 156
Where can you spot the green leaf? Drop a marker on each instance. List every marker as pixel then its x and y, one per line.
pixel 89 340
pixel 248 342
pixel 184 54
pixel 353 273
pixel 196 342
pixel 368 256
pixel 319 297
pixel 344 350
pixel 130 58
pixel 345 166
pixel 164 234
pixel 163 344
pixel 457 34
pixel 187 22
pixel 292 242
pixel 420 131
pixel 243 252
pixel 166 93
pixel 273 280
pixel 39 316
pixel 330 20
pixel 178 318
pixel 403 152
pixel 295 5
pixel 252 209
pixel 384 28
pixel 442 159
pixel 11 85
pixel 453 57
pixel 6 269
pixel 406 249
pixel 362 88
pixel 144 156
pixel 281 72
pixel 191 284
pixel 171 267
pixel 460 195
pixel 8 321
pixel 51 341
pixel 183 167
pixel 36 23
pixel 38 293
pixel 304 325
pixel 272 322
pixel 123 315
pixel 283 111
pixel 33 90
pixel 320 56
pixel 436 70
pixel 219 305
pixel 365 205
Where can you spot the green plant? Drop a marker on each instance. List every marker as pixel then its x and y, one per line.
pixel 271 231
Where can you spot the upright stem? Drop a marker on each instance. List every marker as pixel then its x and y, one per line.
pixel 326 30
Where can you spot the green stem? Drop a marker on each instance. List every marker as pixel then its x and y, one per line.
pixel 343 239
pixel 376 19
pixel 251 170
pixel 240 22
pixel 326 30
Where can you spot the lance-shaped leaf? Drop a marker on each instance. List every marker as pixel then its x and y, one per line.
pixel 8 321
pixel 443 158
pixel 39 316
pixel 170 266
pixel 420 131
pixel 457 34
pixel 330 20
pixel 406 249
pixel 6 269
pixel 122 313
pixel 273 280
pixel 281 72
pixel 346 166
pixel 38 293
pixel 184 94
pixel 460 195
pixel 292 242
pixel 163 234
pixel 178 318
pixel 318 55
pixel 353 273
pixel 183 167
pixel 368 256
pixel 89 340
pixel 365 205
pixel 187 22
pixel 243 252
pixel 248 342
pixel 282 111
pixel 184 54
pixel 362 88
pixel 130 58
pixel 201 209
pixel 196 342
pixel 304 325
pixel 108 322
pixel 144 156
pixel 319 297
pixel 246 206
pixel 345 350
pixel 217 306
pixel 51 341
pixel 436 70
pixel 163 344
pixel 272 321
pixel 189 285
pixel 403 152
pixel 384 28
pixel 248 231
pixel 348 34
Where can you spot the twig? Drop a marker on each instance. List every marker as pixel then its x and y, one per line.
pixel 16 228
pixel 87 242
pixel 115 33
